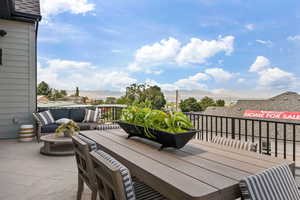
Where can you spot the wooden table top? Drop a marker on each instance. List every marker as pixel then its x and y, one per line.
pixel 57 139
pixel 200 170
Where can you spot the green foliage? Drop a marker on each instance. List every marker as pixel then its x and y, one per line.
pixel 190 104
pixel 206 102
pixel 63 93
pixel 220 103
pixel 70 128
pixel 138 93
pixel 84 99
pixel 156 96
pixel 77 92
pixel 121 100
pixel 43 89
pixel 173 122
pixel 110 100
pixel 97 102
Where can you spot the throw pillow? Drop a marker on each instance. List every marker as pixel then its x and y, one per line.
pixel 91 115
pixel 45 117
pixel 63 121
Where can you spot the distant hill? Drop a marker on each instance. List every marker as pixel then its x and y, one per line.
pixel 170 95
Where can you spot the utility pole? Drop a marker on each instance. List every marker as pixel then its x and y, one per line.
pixel 177 100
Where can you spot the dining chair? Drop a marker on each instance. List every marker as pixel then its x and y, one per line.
pixel 238 144
pixel 115 183
pixel 276 183
pixel 82 147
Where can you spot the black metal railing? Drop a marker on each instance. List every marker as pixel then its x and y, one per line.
pixel 110 113
pixel 278 138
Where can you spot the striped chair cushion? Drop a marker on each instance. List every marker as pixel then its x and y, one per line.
pixel 248 146
pixel 45 117
pixel 275 183
pixel 91 115
pixel 127 181
pixel 92 144
pixel 102 127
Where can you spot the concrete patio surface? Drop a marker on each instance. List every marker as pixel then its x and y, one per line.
pixel 25 174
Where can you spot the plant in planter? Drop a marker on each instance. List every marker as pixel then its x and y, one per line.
pixel 68 129
pixel 172 129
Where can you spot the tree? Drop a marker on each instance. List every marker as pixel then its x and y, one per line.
pixel 134 93
pixel 190 104
pixel 155 96
pixel 97 102
pixel 140 93
pixel 63 93
pixel 121 100
pixel 84 99
pixel 43 89
pixel 110 100
pixel 206 102
pixel 220 103
pixel 77 92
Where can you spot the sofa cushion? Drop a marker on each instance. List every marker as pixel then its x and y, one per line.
pixel 60 113
pixel 63 121
pixel 87 126
pixel 50 128
pixel 77 114
pixel 84 126
pixel 91 115
pixel 44 117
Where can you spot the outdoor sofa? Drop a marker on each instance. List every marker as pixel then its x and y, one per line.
pixel 75 114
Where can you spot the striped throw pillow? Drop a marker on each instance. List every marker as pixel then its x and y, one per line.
pixel 127 181
pixel 45 117
pixel 274 183
pixel 91 115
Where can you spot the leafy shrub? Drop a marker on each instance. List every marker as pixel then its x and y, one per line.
pixel 173 122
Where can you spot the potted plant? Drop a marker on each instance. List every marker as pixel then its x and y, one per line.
pixel 172 129
pixel 68 129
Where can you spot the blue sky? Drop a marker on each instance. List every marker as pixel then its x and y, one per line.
pixel 222 46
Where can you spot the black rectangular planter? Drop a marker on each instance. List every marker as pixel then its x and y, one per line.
pixel 175 140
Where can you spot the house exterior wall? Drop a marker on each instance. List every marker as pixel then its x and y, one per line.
pixel 17 76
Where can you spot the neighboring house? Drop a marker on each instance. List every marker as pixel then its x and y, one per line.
pixel 42 99
pixel 287 101
pixel 18 63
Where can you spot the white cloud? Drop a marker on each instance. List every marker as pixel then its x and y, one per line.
pixel 265 42
pixel 149 56
pixel 54 7
pixel 241 80
pixel 194 82
pixel 261 63
pixel 272 77
pixel 219 74
pixel 66 74
pixel 250 27
pixel 198 51
pixel 276 78
pixel 169 51
pixel 294 38
pixel 160 51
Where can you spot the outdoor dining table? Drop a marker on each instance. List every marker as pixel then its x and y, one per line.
pixel 200 170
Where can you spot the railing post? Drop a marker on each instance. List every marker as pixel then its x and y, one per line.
pixel 233 128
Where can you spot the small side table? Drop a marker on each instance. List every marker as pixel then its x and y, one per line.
pixel 57 145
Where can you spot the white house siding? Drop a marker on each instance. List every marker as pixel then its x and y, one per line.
pixel 17 76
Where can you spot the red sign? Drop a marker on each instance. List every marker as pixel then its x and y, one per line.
pixel 272 114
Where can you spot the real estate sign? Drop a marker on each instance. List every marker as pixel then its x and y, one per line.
pixel 272 114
